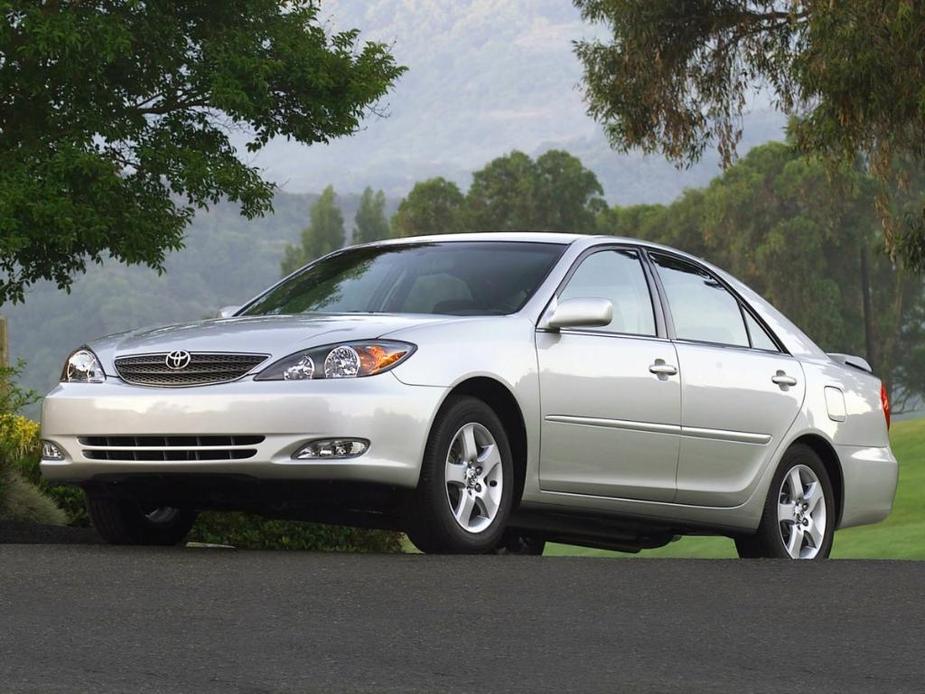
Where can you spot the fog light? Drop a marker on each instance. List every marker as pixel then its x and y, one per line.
pixel 51 452
pixel 332 449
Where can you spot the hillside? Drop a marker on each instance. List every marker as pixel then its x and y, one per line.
pixel 484 77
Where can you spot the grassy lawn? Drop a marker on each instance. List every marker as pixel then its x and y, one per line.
pixel 901 536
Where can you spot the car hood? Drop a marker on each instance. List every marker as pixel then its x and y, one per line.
pixel 277 336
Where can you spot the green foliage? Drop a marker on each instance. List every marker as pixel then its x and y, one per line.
pixel 24 502
pixel 371 224
pixel 553 193
pixel 13 397
pixel 20 498
pixel 28 497
pixel 434 206
pixel 675 76
pixel 247 531
pixel 511 193
pixel 115 119
pixel 808 242
pixel 325 233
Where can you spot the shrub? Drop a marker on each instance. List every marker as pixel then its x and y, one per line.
pixel 20 443
pixel 23 501
pixel 249 531
pixel 20 498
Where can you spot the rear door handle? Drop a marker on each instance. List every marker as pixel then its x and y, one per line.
pixel 663 370
pixel 783 380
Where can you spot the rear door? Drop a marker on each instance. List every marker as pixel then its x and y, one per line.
pixel 739 391
pixel 610 397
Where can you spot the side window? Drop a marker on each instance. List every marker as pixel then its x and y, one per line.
pixel 759 336
pixel 616 275
pixel 701 308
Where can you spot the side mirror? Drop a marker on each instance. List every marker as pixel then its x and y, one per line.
pixel 579 313
pixel 228 311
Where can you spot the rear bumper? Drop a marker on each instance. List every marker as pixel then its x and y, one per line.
pixel 395 418
pixel 870 477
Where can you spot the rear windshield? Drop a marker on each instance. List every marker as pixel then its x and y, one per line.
pixel 459 278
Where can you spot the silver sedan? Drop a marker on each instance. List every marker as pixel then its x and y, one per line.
pixel 484 392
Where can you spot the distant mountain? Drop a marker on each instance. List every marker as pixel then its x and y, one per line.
pixel 485 77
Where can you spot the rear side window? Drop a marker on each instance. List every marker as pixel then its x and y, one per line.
pixel 759 336
pixel 701 308
pixel 616 275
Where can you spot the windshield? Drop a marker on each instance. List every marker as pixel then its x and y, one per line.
pixel 459 278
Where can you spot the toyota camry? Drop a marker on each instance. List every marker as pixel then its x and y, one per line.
pixel 483 393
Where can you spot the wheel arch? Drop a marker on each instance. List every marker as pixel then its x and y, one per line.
pixel 826 452
pixel 500 399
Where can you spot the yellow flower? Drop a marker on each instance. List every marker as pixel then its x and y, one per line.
pixel 19 436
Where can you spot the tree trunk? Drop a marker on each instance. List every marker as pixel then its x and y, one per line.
pixel 870 328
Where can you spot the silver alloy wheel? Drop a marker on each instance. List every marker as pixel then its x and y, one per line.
pixel 474 479
pixel 801 513
pixel 162 514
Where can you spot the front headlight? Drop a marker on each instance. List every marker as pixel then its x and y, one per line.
pixel 82 367
pixel 346 360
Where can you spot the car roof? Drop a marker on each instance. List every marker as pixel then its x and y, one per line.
pixel 522 236
pixel 556 237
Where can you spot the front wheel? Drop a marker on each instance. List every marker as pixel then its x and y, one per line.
pixel 799 515
pixel 463 498
pixel 123 521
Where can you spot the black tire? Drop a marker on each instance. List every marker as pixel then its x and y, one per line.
pixel 430 523
pixel 768 541
pixel 517 543
pixel 122 521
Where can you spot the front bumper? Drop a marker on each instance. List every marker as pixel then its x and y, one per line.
pixel 395 418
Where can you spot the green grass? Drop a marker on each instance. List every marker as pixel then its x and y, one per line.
pixel 901 536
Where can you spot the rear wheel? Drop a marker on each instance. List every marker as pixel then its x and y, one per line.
pixel 463 499
pixel 123 521
pixel 799 515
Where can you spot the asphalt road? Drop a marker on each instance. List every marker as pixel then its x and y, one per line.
pixel 82 618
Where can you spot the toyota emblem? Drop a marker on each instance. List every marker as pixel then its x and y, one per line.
pixel 178 359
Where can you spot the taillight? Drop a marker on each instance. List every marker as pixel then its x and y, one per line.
pixel 885 403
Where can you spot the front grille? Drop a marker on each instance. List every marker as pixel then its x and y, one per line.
pixel 203 369
pixel 169 448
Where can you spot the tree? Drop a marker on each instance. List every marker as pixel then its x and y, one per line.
pixel 555 193
pixel 809 243
pixel 568 196
pixel 503 194
pixel 676 76
pixel 115 118
pixel 324 234
pixel 435 206
pixel 371 224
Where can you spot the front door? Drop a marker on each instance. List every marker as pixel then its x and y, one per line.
pixel 611 396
